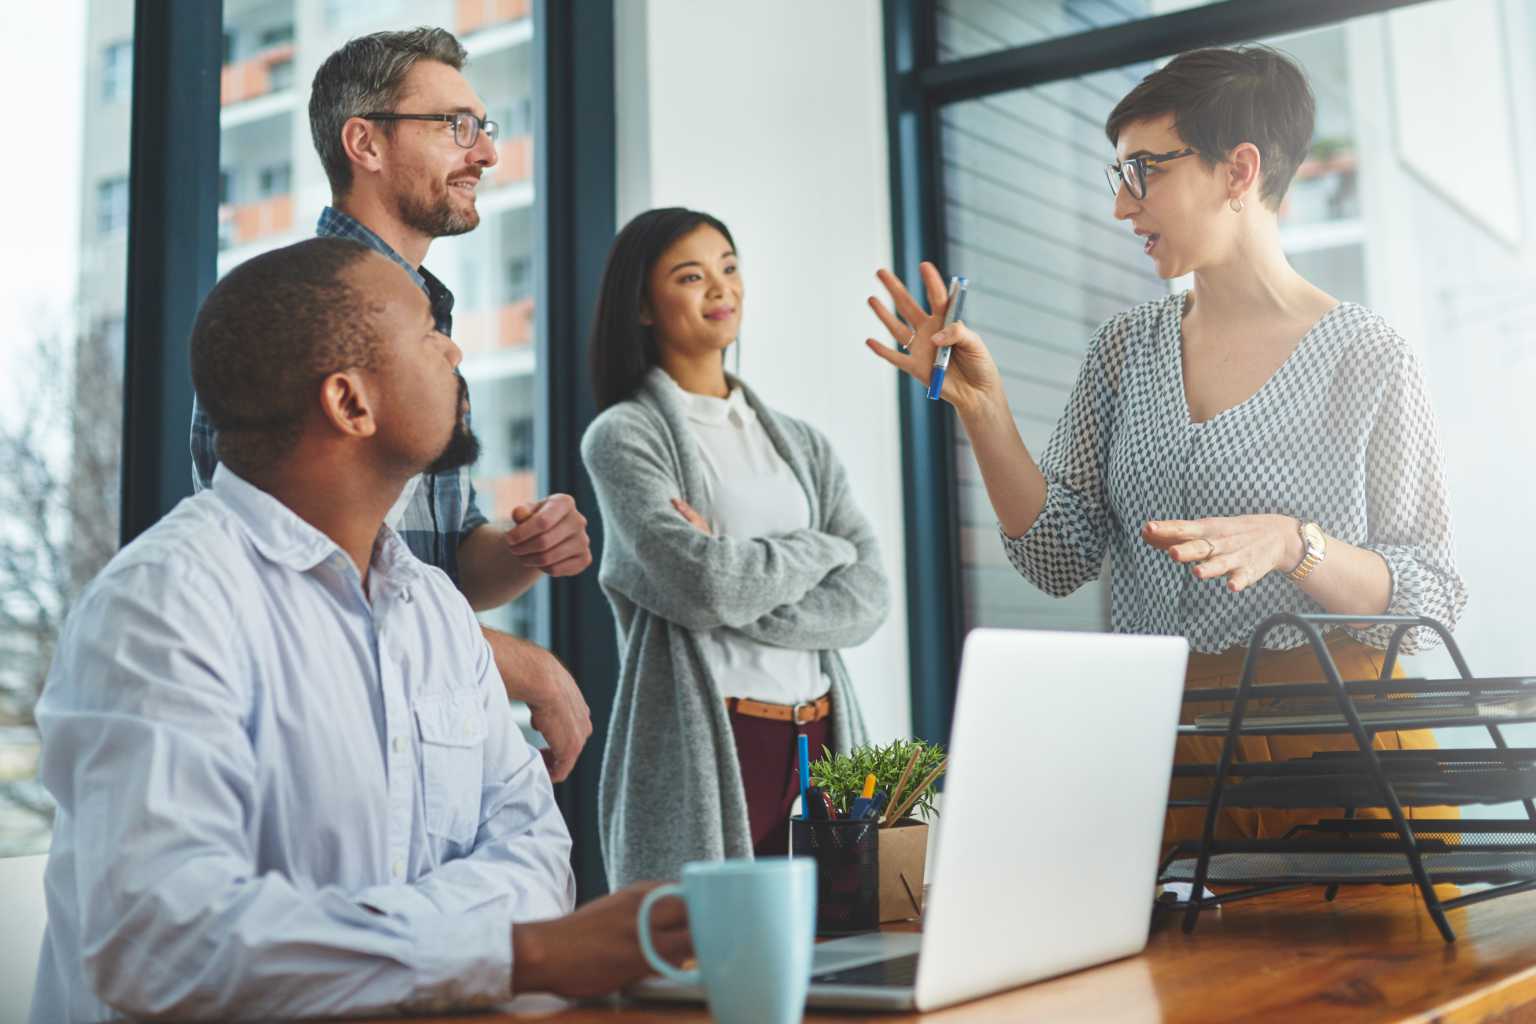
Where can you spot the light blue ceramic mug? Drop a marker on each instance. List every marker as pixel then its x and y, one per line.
pixel 753 923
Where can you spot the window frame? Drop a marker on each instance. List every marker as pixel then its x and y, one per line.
pixel 173 199
pixel 576 190
pixel 174 175
pixel 918 87
pixel 112 204
pixel 117 71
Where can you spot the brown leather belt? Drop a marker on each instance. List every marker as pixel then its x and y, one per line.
pixel 799 714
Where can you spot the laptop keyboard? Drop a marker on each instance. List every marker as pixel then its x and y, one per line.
pixel 900 972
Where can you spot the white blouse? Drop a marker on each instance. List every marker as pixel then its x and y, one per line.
pixel 750 491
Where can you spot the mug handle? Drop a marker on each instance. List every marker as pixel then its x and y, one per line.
pixel 643 922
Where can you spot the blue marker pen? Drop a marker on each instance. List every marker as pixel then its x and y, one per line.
pixel 957 287
pixel 805 775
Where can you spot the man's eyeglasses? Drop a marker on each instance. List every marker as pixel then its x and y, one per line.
pixel 1133 172
pixel 466 127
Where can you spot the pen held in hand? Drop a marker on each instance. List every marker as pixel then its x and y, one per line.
pixel 952 307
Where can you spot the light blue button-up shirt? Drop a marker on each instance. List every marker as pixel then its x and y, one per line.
pixel 280 793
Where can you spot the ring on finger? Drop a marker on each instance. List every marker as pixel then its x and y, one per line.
pixel 1210 549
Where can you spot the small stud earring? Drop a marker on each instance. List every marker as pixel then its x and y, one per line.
pixel 1237 205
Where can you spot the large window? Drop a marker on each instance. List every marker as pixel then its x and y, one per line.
pixel 1027 218
pixel 1410 201
pixel 275 189
pixel 62 273
pixel 971 28
pixel 216 175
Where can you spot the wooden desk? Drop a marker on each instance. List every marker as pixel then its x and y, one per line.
pixel 1372 955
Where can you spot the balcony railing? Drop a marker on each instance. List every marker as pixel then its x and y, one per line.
pixel 485 330
pixel 240 223
pixel 514 160
pixel 473 15
pixel 499 495
pixel 256 76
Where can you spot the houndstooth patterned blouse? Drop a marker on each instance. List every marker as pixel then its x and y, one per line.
pixel 1342 434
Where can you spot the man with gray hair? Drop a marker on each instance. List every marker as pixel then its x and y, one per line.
pixel 404 140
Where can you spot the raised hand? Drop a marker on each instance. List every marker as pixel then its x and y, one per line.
pixel 972 380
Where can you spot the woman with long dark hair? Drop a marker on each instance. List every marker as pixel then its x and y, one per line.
pixel 734 557
pixel 1249 446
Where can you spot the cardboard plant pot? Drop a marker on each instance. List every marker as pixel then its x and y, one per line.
pixel 903 855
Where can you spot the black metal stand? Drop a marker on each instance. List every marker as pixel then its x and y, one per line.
pixel 1355 850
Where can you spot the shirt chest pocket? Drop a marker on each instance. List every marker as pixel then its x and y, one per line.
pixel 452 732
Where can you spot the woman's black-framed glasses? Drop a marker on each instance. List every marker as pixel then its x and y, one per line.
pixel 466 127
pixel 1133 172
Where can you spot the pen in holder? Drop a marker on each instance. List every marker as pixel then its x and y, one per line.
pixel 847 855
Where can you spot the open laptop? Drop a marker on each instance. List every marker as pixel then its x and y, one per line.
pixel 1050 828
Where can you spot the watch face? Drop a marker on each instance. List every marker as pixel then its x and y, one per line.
pixel 1313 534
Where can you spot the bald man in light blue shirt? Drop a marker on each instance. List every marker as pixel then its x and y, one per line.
pixel 288 777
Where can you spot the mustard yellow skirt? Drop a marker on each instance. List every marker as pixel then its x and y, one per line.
pixel 1299 665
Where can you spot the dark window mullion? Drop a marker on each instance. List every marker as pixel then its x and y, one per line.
pixel 575 186
pixel 172 243
pixel 1105 49
pixel 929 490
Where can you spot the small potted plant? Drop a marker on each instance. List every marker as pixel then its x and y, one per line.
pixel 907 772
pixel 1325 187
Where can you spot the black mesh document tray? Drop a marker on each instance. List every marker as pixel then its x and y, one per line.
pixel 1420 778
pixel 1316 868
pixel 1340 848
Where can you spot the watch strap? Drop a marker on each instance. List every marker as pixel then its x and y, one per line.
pixel 1312 556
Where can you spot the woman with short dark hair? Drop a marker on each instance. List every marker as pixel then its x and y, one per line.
pixel 734 556
pixel 1247 447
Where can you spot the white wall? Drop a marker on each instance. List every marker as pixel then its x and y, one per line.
pixel 771 116
pixel 1456 279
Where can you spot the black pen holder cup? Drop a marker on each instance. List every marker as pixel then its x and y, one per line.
pixel 847 855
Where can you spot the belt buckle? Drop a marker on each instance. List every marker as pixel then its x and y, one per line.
pixel 794 713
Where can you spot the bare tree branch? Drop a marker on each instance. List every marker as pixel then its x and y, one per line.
pixel 58 503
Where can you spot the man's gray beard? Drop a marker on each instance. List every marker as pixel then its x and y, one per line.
pixel 437 219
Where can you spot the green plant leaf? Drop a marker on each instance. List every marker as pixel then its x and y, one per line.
pixel 843 775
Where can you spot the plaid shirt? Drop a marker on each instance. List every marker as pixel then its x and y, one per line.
pixel 442 512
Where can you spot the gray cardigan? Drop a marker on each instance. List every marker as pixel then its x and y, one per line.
pixel 671 789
